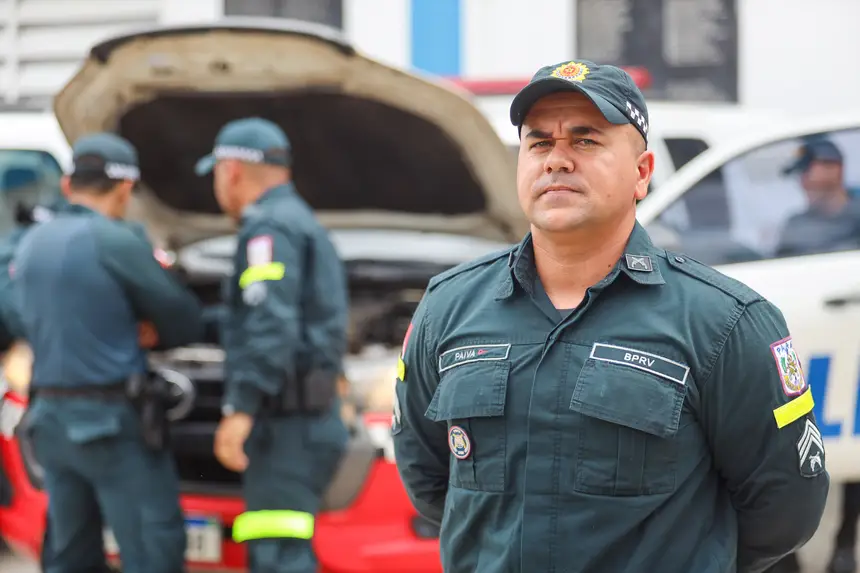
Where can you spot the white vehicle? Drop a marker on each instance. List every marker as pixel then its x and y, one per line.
pixel 33 156
pixel 727 208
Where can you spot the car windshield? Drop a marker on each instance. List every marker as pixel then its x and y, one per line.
pixel 28 177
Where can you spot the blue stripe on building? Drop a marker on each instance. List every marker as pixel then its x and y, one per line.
pixel 436 41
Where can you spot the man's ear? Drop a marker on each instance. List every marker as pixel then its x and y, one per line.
pixel 65 186
pixel 645 169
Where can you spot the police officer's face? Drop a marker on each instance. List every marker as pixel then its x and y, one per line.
pixel 822 178
pixel 225 175
pixel 575 169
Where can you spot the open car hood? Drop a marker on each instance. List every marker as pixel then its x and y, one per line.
pixel 374 146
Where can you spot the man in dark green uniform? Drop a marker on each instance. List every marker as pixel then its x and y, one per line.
pixel 284 335
pixel 587 402
pixel 85 280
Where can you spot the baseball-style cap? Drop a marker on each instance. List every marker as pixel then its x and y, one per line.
pixel 611 89
pixel 253 140
pixel 105 154
pixel 815 150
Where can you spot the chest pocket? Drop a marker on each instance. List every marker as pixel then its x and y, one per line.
pixel 628 442
pixel 471 400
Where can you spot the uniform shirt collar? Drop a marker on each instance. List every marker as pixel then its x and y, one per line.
pixel 270 194
pixel 639 262
pixel 276 192
pixel 78 209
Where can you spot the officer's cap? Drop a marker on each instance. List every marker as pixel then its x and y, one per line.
pixel 611 89
pixel 105 154
pixel 252 140
pixel 813 150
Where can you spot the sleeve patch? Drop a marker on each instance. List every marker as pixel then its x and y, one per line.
pixel 406 340
pixel 810 451
pixel 794 410
pixel 788 366
pixel 259 250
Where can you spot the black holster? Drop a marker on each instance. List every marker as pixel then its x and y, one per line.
pixel 151 398
pixel 312 394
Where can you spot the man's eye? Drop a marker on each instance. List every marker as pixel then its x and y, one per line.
pixel 539 144
pixel 587 142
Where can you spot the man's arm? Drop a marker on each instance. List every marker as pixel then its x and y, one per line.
pixel 155 295
pixel 420 445
pixel 756 409
pixel 268 319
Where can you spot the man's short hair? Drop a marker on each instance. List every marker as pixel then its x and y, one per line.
pixel 89 176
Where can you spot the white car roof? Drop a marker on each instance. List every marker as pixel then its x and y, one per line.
pixel 34 130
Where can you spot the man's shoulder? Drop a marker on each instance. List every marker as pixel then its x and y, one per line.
pixel 478 267
pixel 699 277
pixel 282 216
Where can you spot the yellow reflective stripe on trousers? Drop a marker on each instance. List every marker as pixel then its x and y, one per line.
pixel 800 406
pixel 273 524
pixel 255 274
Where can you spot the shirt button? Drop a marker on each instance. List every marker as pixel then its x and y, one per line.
pixel 680 260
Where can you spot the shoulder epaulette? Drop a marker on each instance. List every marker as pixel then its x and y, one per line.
pixel 709 275
pixel 469 265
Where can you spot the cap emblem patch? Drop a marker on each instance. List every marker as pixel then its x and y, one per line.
pixel 571 71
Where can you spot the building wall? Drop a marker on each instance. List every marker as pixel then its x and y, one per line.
pixel 793 54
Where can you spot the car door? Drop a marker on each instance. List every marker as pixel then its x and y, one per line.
pixel 732 218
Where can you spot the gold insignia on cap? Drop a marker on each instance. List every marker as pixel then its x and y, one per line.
pixel 571 71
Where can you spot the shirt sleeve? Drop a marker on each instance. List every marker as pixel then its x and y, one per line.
pixel 757 415
pixel 420 445
pixel 155 295
pixel 266 317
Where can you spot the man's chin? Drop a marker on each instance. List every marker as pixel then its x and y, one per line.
pixel 560 220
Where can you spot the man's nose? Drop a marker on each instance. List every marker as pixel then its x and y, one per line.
pixel 560 158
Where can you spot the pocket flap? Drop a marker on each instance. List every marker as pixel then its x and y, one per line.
pixel 629 397
pixel 475 390
pixel 86 431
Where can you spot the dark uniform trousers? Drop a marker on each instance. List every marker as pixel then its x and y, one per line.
pixel 96 464
pixel 292 459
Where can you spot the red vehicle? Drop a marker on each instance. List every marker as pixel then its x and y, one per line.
pixel 409 177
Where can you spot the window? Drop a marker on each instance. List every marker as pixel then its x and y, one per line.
pixel 27 178
pixel 328 12
pixel 682 149
pixel 754 208
pixel 688 47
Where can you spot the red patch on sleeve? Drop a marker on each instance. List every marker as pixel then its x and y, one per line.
pixel 406 340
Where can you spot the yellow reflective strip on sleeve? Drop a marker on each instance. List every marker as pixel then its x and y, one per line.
pixel 401 369
pixel 788 413
pixel 273 524
pixel 267 272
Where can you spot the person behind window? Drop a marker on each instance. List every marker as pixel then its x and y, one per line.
pixel 832 220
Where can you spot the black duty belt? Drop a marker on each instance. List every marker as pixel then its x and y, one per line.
pixel 113 391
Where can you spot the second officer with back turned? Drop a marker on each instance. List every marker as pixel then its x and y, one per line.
pixel 284 335
pixel 86 281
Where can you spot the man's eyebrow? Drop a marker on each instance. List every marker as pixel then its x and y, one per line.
pixel 538 134
pixel 584 130
pixel 576 130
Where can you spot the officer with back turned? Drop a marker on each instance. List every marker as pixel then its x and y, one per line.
pixel 284 337
pixel 85 281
